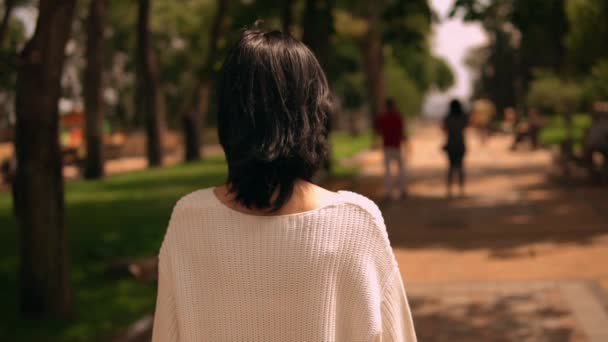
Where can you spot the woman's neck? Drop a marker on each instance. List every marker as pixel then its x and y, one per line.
pixel 306 196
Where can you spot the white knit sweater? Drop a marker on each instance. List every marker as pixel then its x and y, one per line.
pixel 323 275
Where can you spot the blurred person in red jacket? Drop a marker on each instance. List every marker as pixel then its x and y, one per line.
pixel 390 126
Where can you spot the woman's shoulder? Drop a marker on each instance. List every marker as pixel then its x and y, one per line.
pixel 189 207
pixel 195 200
pixel 364 206
pixel 367 231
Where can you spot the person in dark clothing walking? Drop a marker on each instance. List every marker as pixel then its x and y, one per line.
pixel 454 125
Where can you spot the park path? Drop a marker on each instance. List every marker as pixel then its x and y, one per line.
pixel 520 257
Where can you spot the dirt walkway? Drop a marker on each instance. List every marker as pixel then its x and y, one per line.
pixel 513 224
pixel 515 233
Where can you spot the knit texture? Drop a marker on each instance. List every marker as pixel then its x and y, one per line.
pixel 324 275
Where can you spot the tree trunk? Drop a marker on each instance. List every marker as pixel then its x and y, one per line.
pixel 568 148
pixel 192 122
pixel 150 101
pixel 286 15
pixel 195 117
pixel 94 108
pixel 39 197
pixel 9 5
pixel 373 60
pixel 318 26
pixel 192 136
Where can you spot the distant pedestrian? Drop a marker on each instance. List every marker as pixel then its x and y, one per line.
pixel 536 124
pixel 595 139
pixel 482 116
pixel 390 126
pixel 509 120
pixel 454 125
pixel 529 129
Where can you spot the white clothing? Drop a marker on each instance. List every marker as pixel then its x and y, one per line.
pixel 323 275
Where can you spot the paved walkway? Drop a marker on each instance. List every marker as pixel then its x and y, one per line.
pixel 519 258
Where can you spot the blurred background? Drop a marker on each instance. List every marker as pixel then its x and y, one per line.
pixel 107 117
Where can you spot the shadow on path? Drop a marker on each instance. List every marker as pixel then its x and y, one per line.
pixel 511 202
pixel 535 316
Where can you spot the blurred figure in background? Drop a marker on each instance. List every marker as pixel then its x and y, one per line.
pixel 595 139
pixel 509 121
pixel 454 125
pixel 482 114
pixel 529 130
pixel 536 124
pixel 390 126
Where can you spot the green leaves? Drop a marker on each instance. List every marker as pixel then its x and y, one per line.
pixel 588 32
pixel 554 95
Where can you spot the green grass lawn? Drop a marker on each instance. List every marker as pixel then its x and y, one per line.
pixel 344 146
pixel 120 217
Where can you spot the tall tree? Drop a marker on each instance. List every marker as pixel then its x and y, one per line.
pixel 524 36
pixel 94 107
pixel 39 194
pixel 500 74
pixel 588 33
pixel 149 95
pixel 382 48
pixel 196 115
pixel 286 15
pixel 318 27
pixel 392 27
pixel 542 26
pixel 373 62
pixel 364 28
pixel 9 6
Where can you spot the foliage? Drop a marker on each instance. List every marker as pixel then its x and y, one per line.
pixel 555 131
pixel 588 33
pixel 344 72
pixel 524 36
pixel 181 31
pixel 553 95
pixel 401 87
pixel 494 63
pixel 541 26
pixel 180 35
pixel 537 40
pixel 407 30
pixel 441 73
pixel 410 67
pixel 13 40
pixel 597 83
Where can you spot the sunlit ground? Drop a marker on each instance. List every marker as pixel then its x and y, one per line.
pixel 511 260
